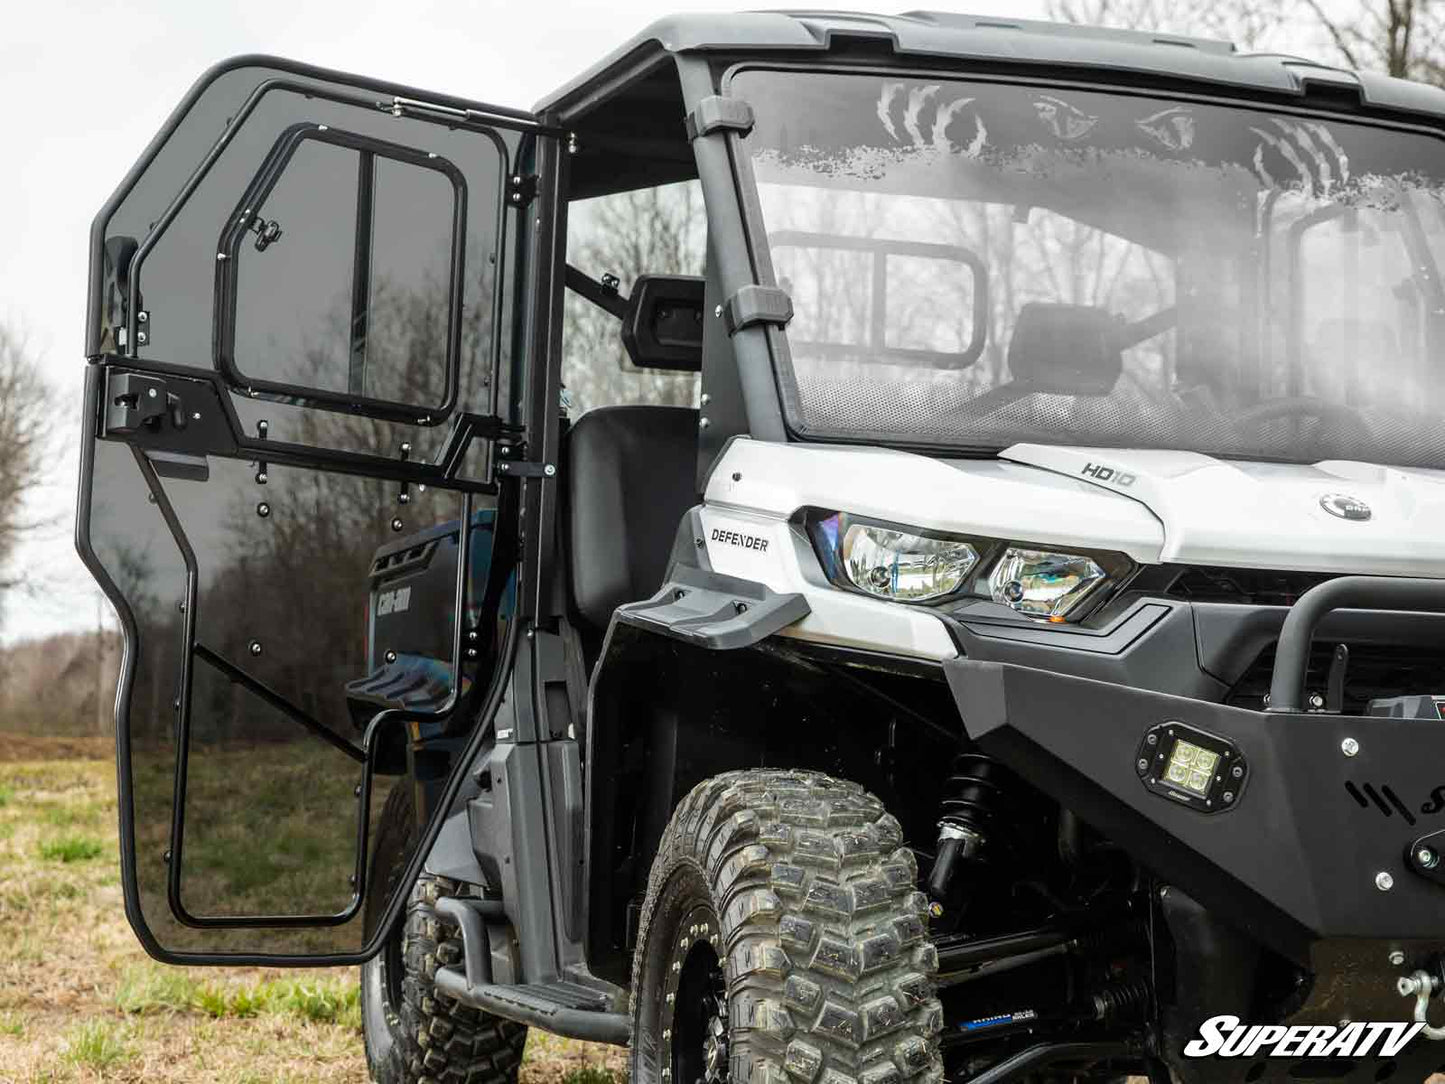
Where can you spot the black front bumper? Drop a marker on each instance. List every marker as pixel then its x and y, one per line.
pixel 1319 845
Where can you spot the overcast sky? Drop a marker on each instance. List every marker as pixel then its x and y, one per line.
pixel 86 83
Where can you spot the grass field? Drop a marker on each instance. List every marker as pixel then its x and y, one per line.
pixel 80 1001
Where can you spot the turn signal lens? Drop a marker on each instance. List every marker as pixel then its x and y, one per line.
pixel 1043 583
pixel 895 563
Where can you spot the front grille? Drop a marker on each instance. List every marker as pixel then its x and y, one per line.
pixel 1375 671
pixel 1251 586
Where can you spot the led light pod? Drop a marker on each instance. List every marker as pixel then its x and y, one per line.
pixel 1044 583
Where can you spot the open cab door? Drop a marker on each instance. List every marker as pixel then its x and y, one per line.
pixel 296 326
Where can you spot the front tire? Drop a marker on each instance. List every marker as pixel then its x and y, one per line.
pixel 783 939
pixel 413 1033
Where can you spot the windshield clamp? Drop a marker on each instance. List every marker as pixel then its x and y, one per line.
pixel 716 113
pixel 757 305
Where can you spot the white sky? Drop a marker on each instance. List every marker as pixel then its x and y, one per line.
pixel 87 82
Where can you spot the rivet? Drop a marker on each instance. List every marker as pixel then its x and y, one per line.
pixel 703 423
pixel 1384 882
pixel 391 656
pixel 1349 747
pixel 471 653
pixel 403 498
pixel 396 524
pixel 263 509
pixel 195 415
pixel 254 647
pixel 181 606
pixel 166 858
pixel 737 476
pixel 706 399
pixel 356 790
pixel 260 478
pixel 717 311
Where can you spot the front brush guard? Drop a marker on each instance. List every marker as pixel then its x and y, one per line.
pixel 1318 845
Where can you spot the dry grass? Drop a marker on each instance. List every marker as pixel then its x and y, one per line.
pixel 80 1001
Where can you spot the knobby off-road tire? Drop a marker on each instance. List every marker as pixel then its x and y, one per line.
pixel 415 1035
pixel 783 941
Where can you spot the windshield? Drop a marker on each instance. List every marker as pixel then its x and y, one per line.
pixel 978 264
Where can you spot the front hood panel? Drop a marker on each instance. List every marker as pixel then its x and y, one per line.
pixel 1271 515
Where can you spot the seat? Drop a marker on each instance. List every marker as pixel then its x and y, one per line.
pixel 631 474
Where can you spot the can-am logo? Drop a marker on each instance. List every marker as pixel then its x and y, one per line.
pixel 1227 1037
pixel 1338 504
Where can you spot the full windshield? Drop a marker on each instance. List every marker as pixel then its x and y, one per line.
pixel 978 264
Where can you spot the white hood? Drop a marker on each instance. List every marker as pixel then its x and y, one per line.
pixel 1270 515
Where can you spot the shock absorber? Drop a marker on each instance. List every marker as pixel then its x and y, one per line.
pixel 974 806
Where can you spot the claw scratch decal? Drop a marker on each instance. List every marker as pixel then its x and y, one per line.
pixel 1316 163
pixel 921 130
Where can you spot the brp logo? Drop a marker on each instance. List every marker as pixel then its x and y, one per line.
pixel 1337 504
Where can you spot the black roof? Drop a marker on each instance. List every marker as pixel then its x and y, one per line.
pixel 949 36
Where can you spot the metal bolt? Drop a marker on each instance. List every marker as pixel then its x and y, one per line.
pixel 151 393
pixel 396 524
pixel 181 606
pixel 391 656
pixel 405 448
pixel 195 415
pixel 1316 701
pixel 263 509
pixel 1152 739
pixel 549 470
pixel 1384 882
pixel 1349 747
pixel 356 790
pixel 471 653
pixel 1427 858
pixel 717 311
pixel 142 338
pixel 703 423
pixel 403 498
pixel 737 476
pixel 142 316
pixel 472 635
pixel 254 647
pixel 1237 771
pixel 1228 796
pixel 706 399
pixel 935 909
pixel 1143 764
pixel 260 478
pixel 1397 958
pixel 166 858
pixel 698 542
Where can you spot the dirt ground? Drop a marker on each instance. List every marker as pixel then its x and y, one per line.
pixel 80 1001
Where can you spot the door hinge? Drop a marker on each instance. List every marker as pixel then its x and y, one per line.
pixel 521 189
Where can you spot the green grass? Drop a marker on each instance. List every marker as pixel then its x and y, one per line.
pixel 70 849
pixel 95 1045
pixel 6 794
pixel 152 990
pixel 12 1024
pixel 590 1074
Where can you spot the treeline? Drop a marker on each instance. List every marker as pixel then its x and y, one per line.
pixel 63 684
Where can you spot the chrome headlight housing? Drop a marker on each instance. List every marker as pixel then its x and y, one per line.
pixel 913 564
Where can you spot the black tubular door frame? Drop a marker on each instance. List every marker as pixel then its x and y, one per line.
pixel 227 440
pixel 239 227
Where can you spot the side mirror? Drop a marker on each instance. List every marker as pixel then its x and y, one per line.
pixel 662 327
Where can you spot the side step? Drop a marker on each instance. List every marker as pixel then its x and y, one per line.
pixel 563 1008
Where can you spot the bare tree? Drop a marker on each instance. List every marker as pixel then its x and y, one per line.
pixel 25 430
pixel 649 231
pixel 1404 38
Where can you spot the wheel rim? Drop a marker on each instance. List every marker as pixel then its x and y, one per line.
pixel 694 1017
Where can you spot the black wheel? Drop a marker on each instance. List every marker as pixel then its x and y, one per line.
pixel 413 1034
pixel 783 939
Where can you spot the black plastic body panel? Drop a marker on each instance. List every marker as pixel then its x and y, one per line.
pixel 1296 860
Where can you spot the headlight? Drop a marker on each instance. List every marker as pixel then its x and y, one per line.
pixel 893 562
pixel 913 564
pixel 1044 583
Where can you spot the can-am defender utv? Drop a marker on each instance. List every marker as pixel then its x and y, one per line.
pixel 1021 644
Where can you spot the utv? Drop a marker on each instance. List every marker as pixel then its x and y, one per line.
pixel 982 613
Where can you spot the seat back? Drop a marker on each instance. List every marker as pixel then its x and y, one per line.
pixel 632 473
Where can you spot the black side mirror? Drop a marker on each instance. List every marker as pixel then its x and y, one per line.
pixel 662 327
